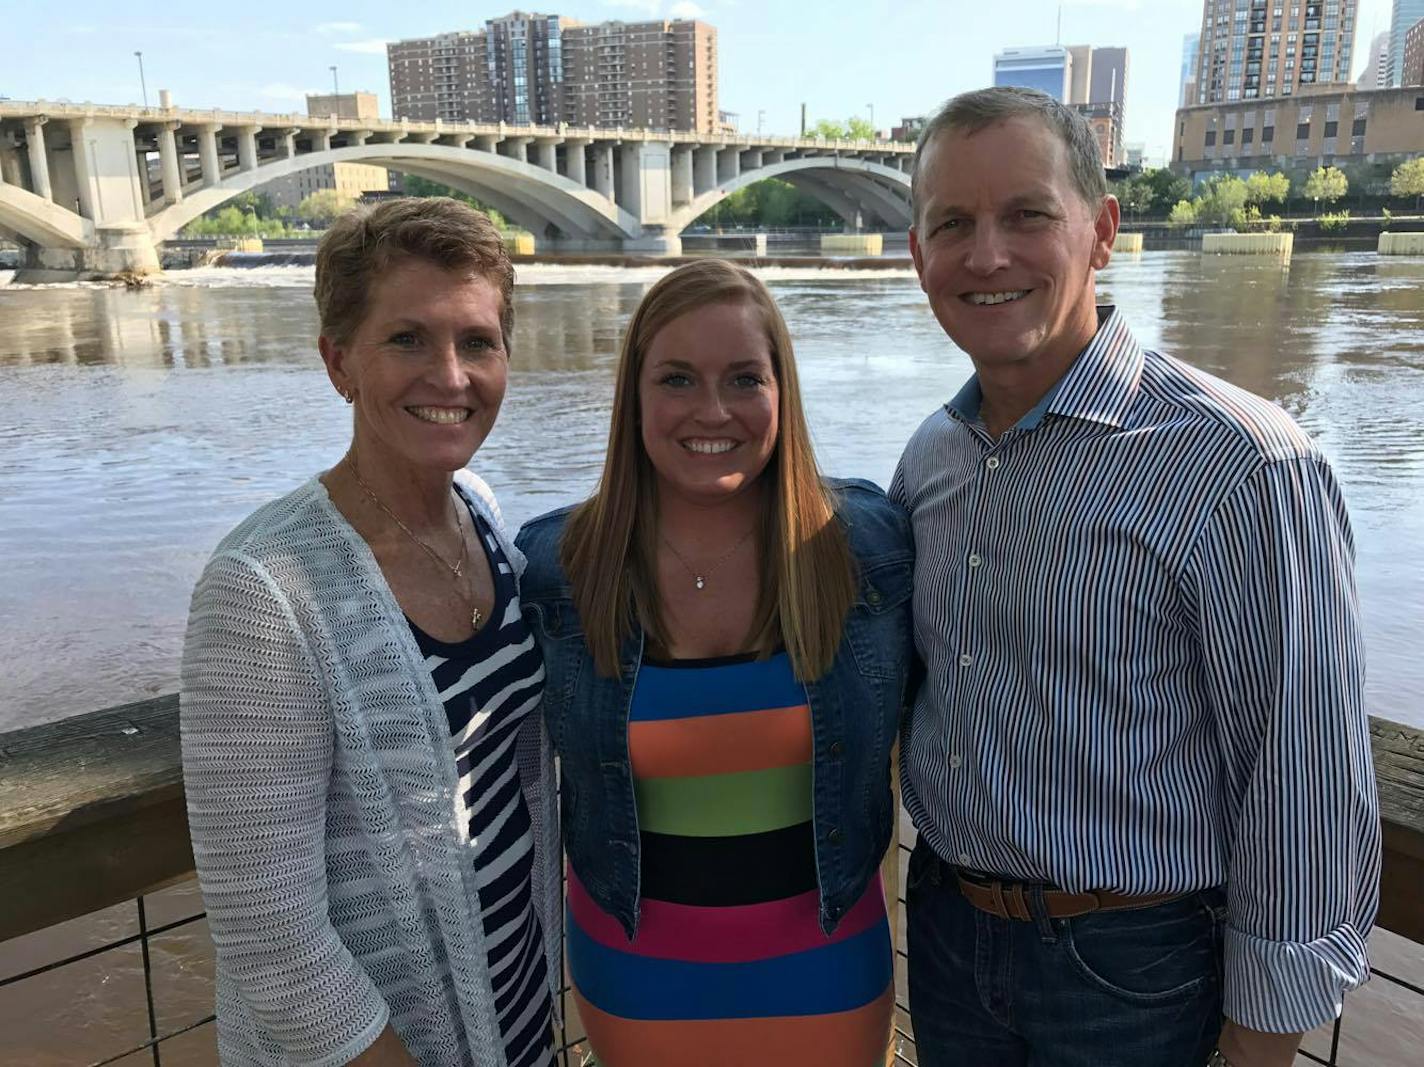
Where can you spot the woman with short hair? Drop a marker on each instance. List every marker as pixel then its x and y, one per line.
pixel 727 638
pixel 369 797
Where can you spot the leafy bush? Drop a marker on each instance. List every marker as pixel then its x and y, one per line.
pixel 1331 222
pixel 1183 211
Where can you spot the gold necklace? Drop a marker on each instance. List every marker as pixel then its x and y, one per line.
pixel 456 569
pixel 699 577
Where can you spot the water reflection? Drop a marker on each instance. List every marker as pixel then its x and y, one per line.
pixel 141 425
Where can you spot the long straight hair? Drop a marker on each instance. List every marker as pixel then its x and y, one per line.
pixel 609 550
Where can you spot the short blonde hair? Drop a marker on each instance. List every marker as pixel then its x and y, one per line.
pixel 609 550
pixel 366 241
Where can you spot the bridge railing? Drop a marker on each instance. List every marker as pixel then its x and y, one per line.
pixel 92 815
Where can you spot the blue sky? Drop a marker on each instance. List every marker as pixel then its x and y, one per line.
pixel 840 58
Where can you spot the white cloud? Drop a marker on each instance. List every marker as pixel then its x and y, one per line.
pixel 686 9
pixel 333 29
pixel 375 46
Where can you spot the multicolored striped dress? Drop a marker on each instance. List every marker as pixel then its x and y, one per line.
pixel 729 965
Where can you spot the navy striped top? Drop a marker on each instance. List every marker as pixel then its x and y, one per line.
pixel 488 684
pixel 1137 613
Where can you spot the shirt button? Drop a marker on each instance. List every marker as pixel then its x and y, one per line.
pixel 975 559
pixel 992 463
pixel 834 837
pixel 954 761
pixel 965 660
pixel 964 859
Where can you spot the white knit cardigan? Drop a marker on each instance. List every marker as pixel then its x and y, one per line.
pixel 324 804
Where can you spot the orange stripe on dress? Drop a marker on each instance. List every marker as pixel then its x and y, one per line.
pixel 721 744
pixel 856 1038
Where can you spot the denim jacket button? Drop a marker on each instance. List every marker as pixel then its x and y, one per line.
pixel 872 596
pixel 835 836
pixel 837 749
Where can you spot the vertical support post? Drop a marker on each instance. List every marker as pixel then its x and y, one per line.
pixel 682 174
pixel 516 148
pixel 546 156
pixel 750 159
pixel 575 165
pixel 704 169
pixel 631 186
pixel 603 169
pixel 772 156
pixel 168 158
pixel 729 163
pixel 83 170
pixel 208 153
pixel 247 148
pixel 486 142
pixel 39 161
pixel 140 194
pixel 9 162
pixel 289 143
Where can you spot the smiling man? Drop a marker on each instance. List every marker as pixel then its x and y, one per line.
pixel 1139 763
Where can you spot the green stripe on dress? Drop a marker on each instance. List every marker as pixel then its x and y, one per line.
pixel 725 805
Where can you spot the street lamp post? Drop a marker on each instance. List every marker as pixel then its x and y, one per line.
pixel 143 84
pixel 761 114
pixel 871 109
pixel 335 88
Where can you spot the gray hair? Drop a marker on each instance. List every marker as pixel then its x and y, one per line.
pixel 977 110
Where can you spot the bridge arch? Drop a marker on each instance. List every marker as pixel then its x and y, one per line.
pixel 42 221
pixel 841 183
pixel 529 195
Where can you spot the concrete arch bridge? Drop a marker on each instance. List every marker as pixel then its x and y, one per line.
pixel 96 190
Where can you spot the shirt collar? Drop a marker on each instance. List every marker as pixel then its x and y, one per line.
pixel 1099 385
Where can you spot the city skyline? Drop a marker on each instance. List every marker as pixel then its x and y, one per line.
pixel 879 60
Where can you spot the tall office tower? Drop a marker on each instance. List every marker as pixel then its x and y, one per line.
pixel 343 105
pixel 1260 48
pixel 441 77
pixel 1048 69
pixel 1405 14
pixel 648 75
pixel 1376 72
pixel 1188 95
pixel 1080 73
pixel 1412 73
pixel 1109 80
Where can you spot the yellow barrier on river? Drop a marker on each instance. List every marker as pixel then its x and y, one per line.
pixel 1401 244
pixel 852 244
pixel 1249 244
pixel 1130 243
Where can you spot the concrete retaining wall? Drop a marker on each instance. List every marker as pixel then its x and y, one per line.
pixel 852 244
pixel 1401 244
pixel 1249 244
pixel 1128 242
pixel 519 244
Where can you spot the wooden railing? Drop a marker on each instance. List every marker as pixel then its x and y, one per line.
pixel 92 814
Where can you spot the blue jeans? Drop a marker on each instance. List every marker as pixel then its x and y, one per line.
pixel 1135 988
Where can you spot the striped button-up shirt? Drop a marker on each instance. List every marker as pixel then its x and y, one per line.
pixel 1144 670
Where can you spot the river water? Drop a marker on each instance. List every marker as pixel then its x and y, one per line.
pixel 137 427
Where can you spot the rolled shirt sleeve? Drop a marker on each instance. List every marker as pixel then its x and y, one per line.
pixel 257 753
pixel 1271 584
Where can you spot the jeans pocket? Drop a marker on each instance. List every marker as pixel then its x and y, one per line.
pixel 1146 956
pixel 922 866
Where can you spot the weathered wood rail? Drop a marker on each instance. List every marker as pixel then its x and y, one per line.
pixel 91 814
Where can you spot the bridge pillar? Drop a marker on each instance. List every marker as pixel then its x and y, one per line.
pixel 546 155
pixel 729 163
pixel 168 159
pixel 647 195
pixel 39 159
pixel 83 172
pixel 516 148
pixel 289 142
pixel 704 169
pixel 773 156
pixel 247 147
pixel 603 168
pixel 359 137
pixel 575 169
pixel 682 174
pixel 486 142
pixel 208 152
pixel 9 162
pixel 750 159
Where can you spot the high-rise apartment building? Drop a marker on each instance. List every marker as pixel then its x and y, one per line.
pixel 1094 80
pixel 1049 69
pixel 1190 46
pixel 530 69
pixel 355 180
pixel 1376 72
pixel 1266 48
pixel 1403 15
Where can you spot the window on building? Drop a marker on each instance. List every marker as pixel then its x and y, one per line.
pixel 1247 136
pixel 1228 137
pixel 1302 131
pixel 1331 129
pixel 1268 134
pixel 1210 138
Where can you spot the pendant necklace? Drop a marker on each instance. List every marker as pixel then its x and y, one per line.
pixel 700 576
pixel 456 569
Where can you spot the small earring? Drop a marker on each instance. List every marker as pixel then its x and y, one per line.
pixel 347 395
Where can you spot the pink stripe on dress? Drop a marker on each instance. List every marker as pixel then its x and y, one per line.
pixel 742 934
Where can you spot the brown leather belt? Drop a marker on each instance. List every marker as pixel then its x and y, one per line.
pixel 1011 900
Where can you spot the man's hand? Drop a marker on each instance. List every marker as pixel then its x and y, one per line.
pixel 386 1051
pixel 1253 1048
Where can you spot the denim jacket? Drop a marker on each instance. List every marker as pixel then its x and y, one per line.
pixel 855 713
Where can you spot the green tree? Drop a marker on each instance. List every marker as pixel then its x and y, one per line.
pixel 418 186
pixel 1326 183
pixel 1134 194
pixel 830 129
pixel 1263 188
pixel 255 203
pixel 324 205
pixel 1222 201
pixel 1167 188
pixel 1408 180
pixel 1183 211
pixel 859 129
